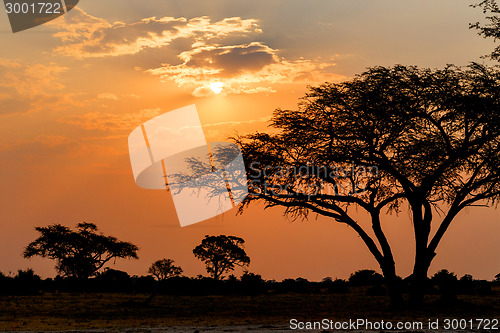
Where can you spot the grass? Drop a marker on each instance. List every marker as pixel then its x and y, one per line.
pixel 70 311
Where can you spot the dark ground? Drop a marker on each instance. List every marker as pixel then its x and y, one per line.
pixel 74 311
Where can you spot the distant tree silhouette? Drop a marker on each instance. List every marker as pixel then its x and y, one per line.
pixel 497 277
pixel 444 275
pixel 252 284
pixel 221 254
pixel 27 275
pixel 466 284
pixel 26 282
pixel 492 28
pixel 366 277
pixel 428 139
pixel 113 275
pixel 299 285
pixel 80 253
pixel 164 269
pixel 327 280
pixel 467 277
pixel 335 286
pixel 447 284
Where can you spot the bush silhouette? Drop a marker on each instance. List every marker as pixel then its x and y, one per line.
pixel 466 285
pixel 26 283
pixel 252 284
pixel 366 277
pixel 335 286
pixel 447 284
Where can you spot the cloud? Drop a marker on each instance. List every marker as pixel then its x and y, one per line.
pixel 122 124
pixel 47 150
pixel 29 80
pixel 241 122
pixel 41 144
pixel 85 36
pixel 223 50
pixel 52 140
pixel 110 121
pixel 226 129
pixel 230 60
pixel 247 68
pixel 76 26
pixel 29 87
pixel 110 96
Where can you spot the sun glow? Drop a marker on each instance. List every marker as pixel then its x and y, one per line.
pixel 216 87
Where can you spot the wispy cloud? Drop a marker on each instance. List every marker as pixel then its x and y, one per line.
pixel 42 142
pixel 110 121
pixel 235 123
pixel 29 80
pixel 30 87
pixel 34 152
pixel 109 96
pixel 226 129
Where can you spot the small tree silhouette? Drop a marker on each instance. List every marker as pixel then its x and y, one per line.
pixel 447 284
pixel 164 269
pixel 221 254
pixel 79 253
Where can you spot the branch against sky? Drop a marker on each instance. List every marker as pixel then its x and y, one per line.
pixel 492 28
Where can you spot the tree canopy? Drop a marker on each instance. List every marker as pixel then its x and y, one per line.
pixel 221 254
pixel 164 269
pixel 79 253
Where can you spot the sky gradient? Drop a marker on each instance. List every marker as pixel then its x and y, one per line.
pixel 72 90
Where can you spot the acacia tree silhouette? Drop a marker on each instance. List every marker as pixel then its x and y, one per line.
pixel 164 269
pixel 79 253
pixel 430 137
pixel 221 254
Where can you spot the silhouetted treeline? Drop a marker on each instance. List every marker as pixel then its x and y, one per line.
pixel 366 282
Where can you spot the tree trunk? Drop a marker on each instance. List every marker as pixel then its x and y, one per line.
pixel 394 285
pixel 395 292
pixel 418 282
pixel 422 217
pixel 417 291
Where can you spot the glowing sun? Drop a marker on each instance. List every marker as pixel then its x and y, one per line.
pixel 216 87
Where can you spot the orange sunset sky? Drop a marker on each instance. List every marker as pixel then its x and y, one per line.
pixel 72 90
